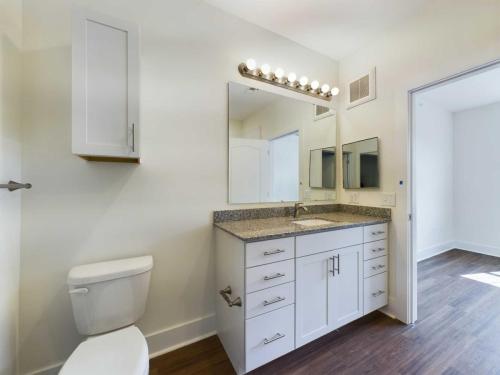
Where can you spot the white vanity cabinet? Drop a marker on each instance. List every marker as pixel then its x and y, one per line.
pixel 105 87
pixel 277 295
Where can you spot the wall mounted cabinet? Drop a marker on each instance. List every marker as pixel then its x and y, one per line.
pixel 105 88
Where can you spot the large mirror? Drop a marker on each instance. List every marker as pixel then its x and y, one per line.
pixel 272 141
pixel 360 164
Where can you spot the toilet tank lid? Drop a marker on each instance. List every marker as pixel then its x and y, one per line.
pixel 103 271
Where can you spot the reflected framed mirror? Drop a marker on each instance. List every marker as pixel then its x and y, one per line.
pixel 322 169
pixel 360 164
pixel 271 139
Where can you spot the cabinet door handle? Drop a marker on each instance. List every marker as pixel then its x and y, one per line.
pixel 275 276
pixel 274 300
pixel 332 271
pixel 273 252
pixel 378 250
pixel 376 294
pixel 338 264
pixel 380 266
pixel 277 336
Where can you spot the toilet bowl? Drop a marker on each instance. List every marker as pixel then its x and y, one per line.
pixel 107 299
pixel 120 352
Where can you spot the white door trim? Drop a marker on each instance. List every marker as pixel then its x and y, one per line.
pixel 411 268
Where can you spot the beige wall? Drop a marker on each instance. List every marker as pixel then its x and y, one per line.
pixel 80 212
pixel 448 37
pixel 10 168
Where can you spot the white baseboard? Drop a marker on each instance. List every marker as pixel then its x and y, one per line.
pixel 478 248
pixel 175 337
pixel 162 341
pixel 435 250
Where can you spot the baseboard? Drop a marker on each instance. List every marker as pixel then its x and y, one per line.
pixel 162 341
pixel 435 250
pixel 180 335
pixel 478 248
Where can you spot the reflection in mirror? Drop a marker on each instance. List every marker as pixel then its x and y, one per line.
pixel 360 164
pixel 322 168
pixel 270 139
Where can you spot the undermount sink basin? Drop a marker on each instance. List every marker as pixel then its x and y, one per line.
pixel 311 222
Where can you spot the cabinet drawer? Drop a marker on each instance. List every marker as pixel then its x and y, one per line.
pixel 375 266
pixel 375 292
pixel 375 249
pixel 269 275
pixel 264 252
pixel 375 232
pixel 269 336
pixel 269 299
pixel 325 241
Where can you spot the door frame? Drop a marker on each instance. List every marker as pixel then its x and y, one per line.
pixel 411 197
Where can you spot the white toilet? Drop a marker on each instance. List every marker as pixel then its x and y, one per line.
pixel 108 298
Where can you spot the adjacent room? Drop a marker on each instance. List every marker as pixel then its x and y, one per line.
pixel 249 187
pixel 456 126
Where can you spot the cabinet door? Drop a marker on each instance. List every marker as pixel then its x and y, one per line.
pixel 345 296
pixel 312 318
pixel 105 84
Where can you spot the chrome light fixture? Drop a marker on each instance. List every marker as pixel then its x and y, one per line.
pixel 278 78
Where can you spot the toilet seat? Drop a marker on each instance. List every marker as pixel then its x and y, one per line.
pixel 121 352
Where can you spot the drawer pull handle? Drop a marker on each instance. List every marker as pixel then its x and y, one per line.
pixel 380 266
pixel 225 294
pixel 376 294
pixel 274 338
pixel 378 232
pixel 274 300
pixel 274 252
pixel 378 250
pixel 275 276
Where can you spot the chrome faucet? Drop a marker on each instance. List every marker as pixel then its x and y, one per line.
pixel 297 207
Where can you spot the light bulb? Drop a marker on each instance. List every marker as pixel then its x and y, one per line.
pixel 303 80
pixel 325 88
pixel 265 69
pixel 292 77
pixel 314 84
pixel 335 91
pixel 279 73
pixel 251 64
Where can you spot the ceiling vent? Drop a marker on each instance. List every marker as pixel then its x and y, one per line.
pixel 361 90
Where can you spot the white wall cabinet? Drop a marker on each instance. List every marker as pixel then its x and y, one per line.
pixel 294 290
pixel 105 87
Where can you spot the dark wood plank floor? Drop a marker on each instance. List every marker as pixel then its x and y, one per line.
pixel 458 332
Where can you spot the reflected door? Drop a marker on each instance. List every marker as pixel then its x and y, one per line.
pixel 249 179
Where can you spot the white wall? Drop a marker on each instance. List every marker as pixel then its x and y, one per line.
pixel 434 153
pixel 447 37
pixel 10 168
pixel 477 179
pixel 80 212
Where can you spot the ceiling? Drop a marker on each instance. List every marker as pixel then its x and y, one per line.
pixel 466 93
pixel 335 28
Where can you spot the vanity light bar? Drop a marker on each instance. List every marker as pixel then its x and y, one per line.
pixel 278 78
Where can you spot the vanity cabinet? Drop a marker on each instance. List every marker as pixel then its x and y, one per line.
pixel 105 87
pixel 277 295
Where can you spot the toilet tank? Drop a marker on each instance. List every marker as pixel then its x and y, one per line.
pixel 109 295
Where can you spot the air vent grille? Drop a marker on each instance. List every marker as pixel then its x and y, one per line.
pixel 362 89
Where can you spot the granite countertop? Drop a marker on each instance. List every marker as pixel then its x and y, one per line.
pixel 276 227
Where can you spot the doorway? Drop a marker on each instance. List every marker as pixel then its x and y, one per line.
pixel 455 125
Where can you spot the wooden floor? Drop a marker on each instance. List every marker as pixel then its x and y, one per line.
pixel 458 332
